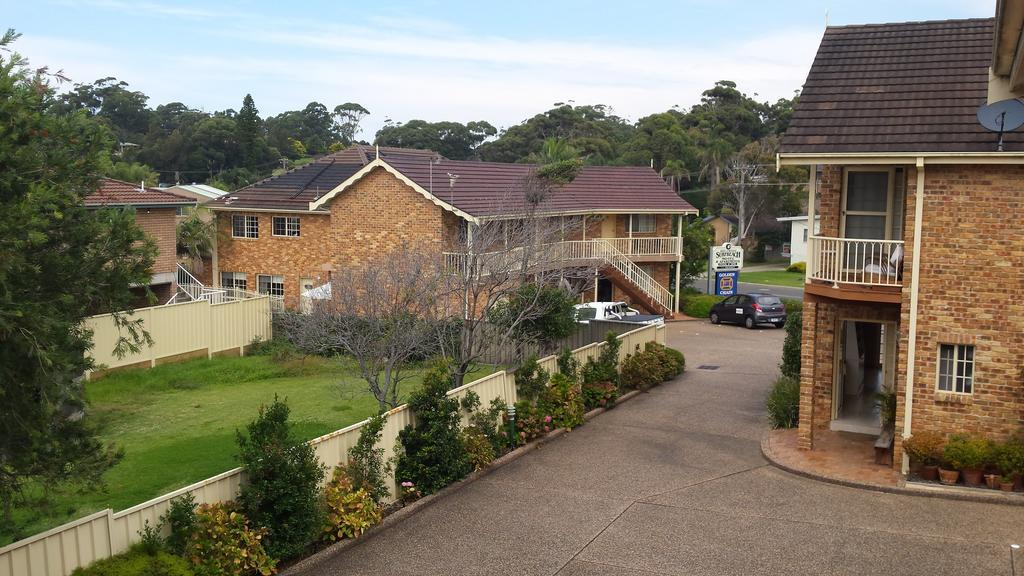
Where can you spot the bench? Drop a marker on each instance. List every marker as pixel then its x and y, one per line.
pixel 883 448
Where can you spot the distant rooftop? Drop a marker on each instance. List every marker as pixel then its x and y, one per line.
pixel 120 193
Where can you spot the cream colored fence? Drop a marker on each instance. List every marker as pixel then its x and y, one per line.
pixel 182 330
pixel 59 551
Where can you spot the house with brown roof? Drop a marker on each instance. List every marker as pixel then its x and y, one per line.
pixel 287 234
pixel 915 281
pixel 155 213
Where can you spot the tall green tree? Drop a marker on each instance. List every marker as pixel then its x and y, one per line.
pixel 450 139
pixel 347 118
pixel 249 126
pixel 59 263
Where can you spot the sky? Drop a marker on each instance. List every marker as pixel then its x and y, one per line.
pixel 499 61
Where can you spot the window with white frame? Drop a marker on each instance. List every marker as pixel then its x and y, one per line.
pixel 233 280
pixel 286 226
pixel 271 285
pixel 956 368
pixel 642 223
pixel 245 226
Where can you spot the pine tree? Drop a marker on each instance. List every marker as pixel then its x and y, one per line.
pixel 250 137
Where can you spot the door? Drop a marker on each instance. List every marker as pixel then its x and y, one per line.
pixel 838 391
pixel 867 207
pixel 305 302
pixel 604 290
pixel 729 307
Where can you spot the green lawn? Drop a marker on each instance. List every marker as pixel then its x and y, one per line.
pixel 774 277
pixel 177 423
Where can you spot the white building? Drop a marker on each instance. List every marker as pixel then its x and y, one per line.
pixel 796 248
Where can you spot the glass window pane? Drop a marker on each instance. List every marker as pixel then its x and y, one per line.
pixel 868 227
pixel 867 191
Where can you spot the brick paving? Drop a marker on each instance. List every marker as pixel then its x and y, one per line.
pixel 836 455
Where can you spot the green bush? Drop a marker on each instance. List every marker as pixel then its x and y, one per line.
pixel 282 494
pixel 790 365
pixel 479 448
pixel 568 365
pixel 605 368
pixel 699 305
pixel 531 422
pixel 965 452
pixel 1008 457
pixel 797 267
pixel 599 395
pixel 138 562
pixel 640 370
pixel 366 467
pixel 181 518
pixel 925 447
pixel 432 455
pixel 224 543
pixel 531 380
pixel 672 361
pixel 488 422
pixel 784 403
pixel 793 305
pixel 349 511
pixel 563 401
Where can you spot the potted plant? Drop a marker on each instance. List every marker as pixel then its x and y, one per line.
pixel 1006 483
pixel 925 450
pixel 969 455
pixel 1008 457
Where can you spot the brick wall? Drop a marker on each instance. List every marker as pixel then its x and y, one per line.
pixel 160 223
pixel 374 217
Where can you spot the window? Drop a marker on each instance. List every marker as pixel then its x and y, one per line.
pixel 586 313
pixel 286 226
pixel 805 235
pixel 272 285
pixel 643 223
pixel 956 368
pixel 233 280
pixel 181 211
pixel 245 226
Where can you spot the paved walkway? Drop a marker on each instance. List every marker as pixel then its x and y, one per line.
pixel 673 482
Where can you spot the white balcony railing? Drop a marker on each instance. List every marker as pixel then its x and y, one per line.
pixel 657 246
pixel 855 261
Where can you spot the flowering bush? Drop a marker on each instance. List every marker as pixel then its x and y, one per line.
pixel 349 511
pixel 224 544
pixel 599 395
pixel 563 401
pixel 640 370
pixel 531 422
pixel 409 493
pixel 478 447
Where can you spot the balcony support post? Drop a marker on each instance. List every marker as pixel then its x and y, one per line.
pixel 811 181
pixel 679 261
pixel 908 401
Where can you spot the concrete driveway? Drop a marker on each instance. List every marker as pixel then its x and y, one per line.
pixel 673 482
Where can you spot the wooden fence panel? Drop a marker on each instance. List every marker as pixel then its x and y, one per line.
pixel 59 551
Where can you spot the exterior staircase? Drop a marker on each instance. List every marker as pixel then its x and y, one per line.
pixel 190 289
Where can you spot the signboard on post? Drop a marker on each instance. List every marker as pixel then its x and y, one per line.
pixel 726 282
pixel 726 257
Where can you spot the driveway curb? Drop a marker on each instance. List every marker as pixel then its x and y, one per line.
pixel 904 488
pixel 335 549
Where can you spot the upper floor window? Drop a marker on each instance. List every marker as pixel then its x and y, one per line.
pixel 233 280
pixel 956 368
pixel 245 226
pixel 286 226
pixel 272 285
pixel 642 223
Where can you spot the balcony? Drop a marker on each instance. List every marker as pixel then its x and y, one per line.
pixel 855 269
pixel 647 249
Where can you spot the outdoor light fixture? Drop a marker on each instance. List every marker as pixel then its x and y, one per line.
pixel 1013 552
pixel 512 425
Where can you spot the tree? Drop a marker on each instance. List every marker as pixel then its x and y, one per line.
pixel 449 139
pixel 196 235
pixel 318 130
pixel 382 316
pixel 347 118
pixel 110 101
pixel 132 172
pixel 554 150
pixel 250 127
pixel 554 319
pixel 697 239
pixel 593 130
pixel 59 263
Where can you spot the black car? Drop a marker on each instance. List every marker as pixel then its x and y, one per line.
pixel 750 310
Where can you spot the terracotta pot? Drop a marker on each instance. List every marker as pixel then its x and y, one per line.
pixel 929 472
pixel 1018 483
pixel 1006 486
pixel 948 477
pixel 972 478
pixel 992 481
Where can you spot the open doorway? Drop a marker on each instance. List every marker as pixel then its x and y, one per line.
pixel 865 354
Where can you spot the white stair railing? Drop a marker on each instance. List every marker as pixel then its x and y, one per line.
pixel 190 286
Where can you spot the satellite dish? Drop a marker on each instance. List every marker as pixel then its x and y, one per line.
pixel 1001 117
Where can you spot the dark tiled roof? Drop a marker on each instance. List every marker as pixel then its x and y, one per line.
pixel 295 189
pixel 484 189
pixel 119 193
pixel 912 87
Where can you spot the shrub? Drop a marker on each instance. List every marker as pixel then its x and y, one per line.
pixel 599 395
pixel 797 267
pixel 563 401
pixel 640 370
pixel 479 448
pixel 349 511
pixel 790 365
pixel 282 494
pixel 1008 457
pixel 487 421
pixel 886 402
pixel 531 380
pixel 224 543
pixel 699 305
pixel 432 455
pixel 568 365
pixel 793 305
pixel 671 361
pixel 138 562
pixel 181 518
pixel 925 447
pixel 784 403
pixel 366 467
pixel 605 368
pixel 531 422
pixel 964 452
pixel 279 349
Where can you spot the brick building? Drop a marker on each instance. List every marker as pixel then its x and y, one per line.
pixel 287 234
pixel 155 213
pixel 915 281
